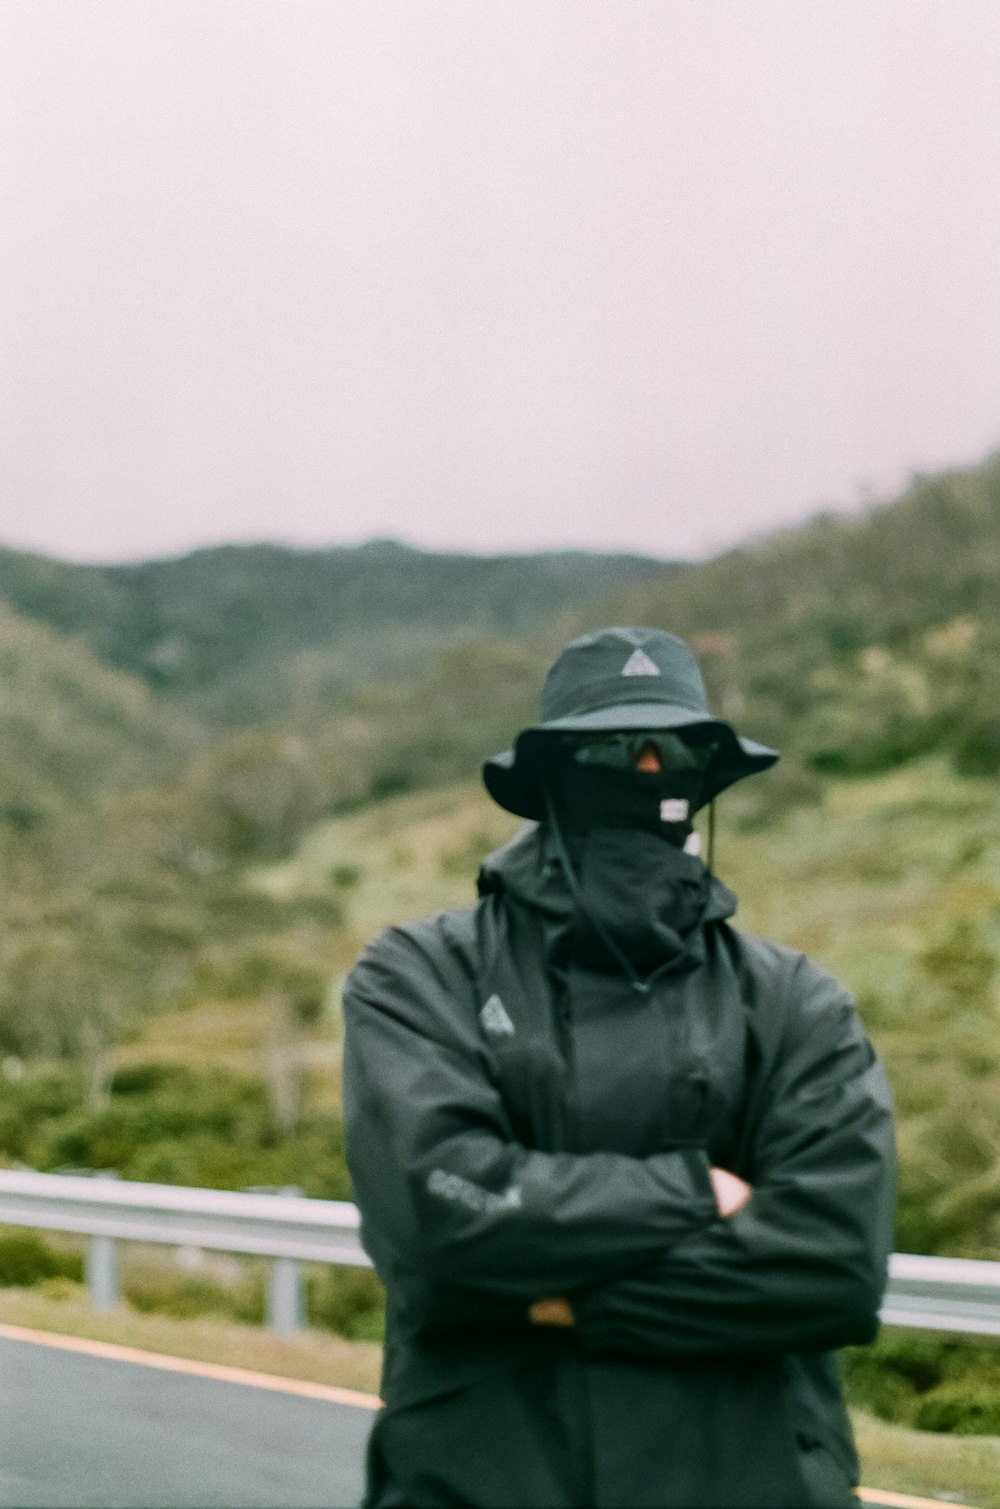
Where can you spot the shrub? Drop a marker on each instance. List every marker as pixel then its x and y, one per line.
pixel 966 1409
pixel 146 1078
pixel 38 1098
pixel 349 1301
pixel 172 1124
pixel 889 1376
pixel 26 1259
pixel 885 1394
pixel 758 804
pixel 62 1289
pixel 915 1379
pixel 977 744
pixel 154 1288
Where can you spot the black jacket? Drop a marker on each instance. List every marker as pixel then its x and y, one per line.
pixel 526 1120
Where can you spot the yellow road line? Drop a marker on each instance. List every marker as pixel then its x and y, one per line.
pixel 900 1500
pixel 326 1391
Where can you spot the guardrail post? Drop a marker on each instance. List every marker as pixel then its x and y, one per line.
pixel 286 1308
pixel 285 1299
pixel 101 1266
pixel 102 1273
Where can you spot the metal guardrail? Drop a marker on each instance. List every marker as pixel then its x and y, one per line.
pixel 288 1228
pixel 943 1294
pixel 927 1293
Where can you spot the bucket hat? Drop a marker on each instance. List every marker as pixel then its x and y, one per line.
pixel 610 681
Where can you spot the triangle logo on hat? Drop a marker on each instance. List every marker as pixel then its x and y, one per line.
pixel 639 664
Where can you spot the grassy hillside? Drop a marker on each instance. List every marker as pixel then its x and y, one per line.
pixel 72 728
pixel 196 713
pixel 891 881
pixel 859 641
pixel 854 644
pixel 248 633
pixel 864 646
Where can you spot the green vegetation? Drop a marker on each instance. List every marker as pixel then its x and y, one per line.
pixel 953 1469
pixel 26 1258
pixel 890 881
pixel 244 634
pixel 191 1284
pixel 176 1123
pixel 71 728
pixel 857 643
pixel 932 1382
pixel 222 775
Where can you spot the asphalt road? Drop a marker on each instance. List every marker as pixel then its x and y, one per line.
pixel 81 1432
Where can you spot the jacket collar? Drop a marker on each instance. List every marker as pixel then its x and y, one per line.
pixel 653 900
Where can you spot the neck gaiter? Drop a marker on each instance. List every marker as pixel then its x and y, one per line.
pixel 639 897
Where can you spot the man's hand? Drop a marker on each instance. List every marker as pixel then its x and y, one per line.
pixel 731 1192
pixel 551 1312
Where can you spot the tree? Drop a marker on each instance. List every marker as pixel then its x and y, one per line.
pixel 291 994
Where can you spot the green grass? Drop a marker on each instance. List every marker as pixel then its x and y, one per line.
pixel 914 1461
pixel 400 858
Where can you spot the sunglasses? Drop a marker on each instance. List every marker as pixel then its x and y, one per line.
pixel 622 750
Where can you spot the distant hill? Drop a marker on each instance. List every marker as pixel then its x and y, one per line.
pixel 853 643
pixel 72 728
pixel 248 633
pixel 856 641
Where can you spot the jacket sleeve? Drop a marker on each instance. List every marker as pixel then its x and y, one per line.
pixel 803 1265
pixel 445 1191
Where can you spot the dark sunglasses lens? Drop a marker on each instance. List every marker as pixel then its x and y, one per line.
pixel 604 749
pixel 622 750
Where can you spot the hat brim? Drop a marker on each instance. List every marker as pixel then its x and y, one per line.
pixel 513 777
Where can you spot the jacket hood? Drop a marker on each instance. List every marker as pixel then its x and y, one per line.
pixel 649 897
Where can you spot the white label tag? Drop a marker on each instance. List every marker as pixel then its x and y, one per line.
pixel 674 809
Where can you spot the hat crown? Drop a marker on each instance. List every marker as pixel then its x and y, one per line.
pixel 614 667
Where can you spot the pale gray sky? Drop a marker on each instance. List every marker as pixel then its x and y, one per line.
pixel 489 274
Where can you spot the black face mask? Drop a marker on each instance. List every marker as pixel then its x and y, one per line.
pixel 597 796
pixel 639 898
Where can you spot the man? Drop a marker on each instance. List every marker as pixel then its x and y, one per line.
pixel 625 1171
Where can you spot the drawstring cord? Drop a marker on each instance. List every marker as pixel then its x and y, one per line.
pixel 639 985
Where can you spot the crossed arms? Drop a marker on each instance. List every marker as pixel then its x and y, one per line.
pixel 637 1246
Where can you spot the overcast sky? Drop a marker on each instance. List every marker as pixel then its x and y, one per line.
pixel 489 274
